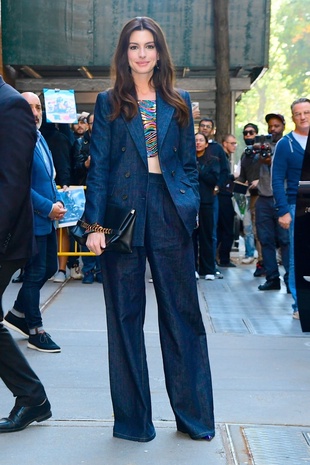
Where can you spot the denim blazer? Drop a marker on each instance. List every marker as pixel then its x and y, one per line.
pixel 43 189
pixel 119 169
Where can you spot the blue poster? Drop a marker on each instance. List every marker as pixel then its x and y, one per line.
pixel 60 106
pixel 74 201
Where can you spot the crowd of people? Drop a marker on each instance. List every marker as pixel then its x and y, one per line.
pixel 139 150
pixel 270 177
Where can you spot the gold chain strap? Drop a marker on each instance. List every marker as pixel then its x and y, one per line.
pixel 97 228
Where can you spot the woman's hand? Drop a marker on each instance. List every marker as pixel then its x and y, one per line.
pixel 96 242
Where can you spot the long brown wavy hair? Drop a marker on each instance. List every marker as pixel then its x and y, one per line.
pixel 124 98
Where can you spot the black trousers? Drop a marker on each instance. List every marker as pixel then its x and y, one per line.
pixel 15 371
pixel 205 240
pixel 225 228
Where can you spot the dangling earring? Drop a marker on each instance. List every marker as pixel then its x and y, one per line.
pixel 157 65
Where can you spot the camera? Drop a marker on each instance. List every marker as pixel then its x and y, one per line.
pixel 260 147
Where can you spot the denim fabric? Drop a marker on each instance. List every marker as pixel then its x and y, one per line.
pixel 38 270
pixel 248 231
pixel 169 251
pixel 292 281
pixel 271 236
pixel 118 171
pixel 89 262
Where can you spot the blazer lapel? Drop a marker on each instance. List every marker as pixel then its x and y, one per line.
pixel 135 127
pixel 46 160
pixel 164 114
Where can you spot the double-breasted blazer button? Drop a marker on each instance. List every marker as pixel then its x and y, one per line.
pixel 182 191
pixel 172 173
pixel 123 149
pixel 127 175
pixel 125 197
pixel 175 149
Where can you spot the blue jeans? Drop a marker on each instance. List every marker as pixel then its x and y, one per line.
pixel 169 251
pixel 271 235
pixel 249 243
pixel 38 270
pixel 292 281
pixel 90 262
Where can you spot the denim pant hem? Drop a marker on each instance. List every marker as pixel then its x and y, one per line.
pixel 200 435
pixel 134 438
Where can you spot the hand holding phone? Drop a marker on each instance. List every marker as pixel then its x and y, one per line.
pixel 195 110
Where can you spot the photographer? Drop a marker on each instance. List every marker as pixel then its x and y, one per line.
pixel 249 172
pixel 270 233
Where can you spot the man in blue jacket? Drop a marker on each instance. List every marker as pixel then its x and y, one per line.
pixel 25 316
pixel 286 172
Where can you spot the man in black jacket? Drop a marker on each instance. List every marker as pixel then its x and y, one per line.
pixel 17 142
pixel 81 162
pixel 81 154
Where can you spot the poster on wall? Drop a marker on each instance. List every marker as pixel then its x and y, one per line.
pixel 60 106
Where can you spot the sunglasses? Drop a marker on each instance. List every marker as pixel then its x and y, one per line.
pixel 249 133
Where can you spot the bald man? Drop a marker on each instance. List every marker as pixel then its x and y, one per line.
pixel 25 316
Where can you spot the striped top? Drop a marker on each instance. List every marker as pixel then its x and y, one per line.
pixel 148 114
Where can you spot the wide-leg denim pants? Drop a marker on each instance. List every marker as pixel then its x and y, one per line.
pixel 169 251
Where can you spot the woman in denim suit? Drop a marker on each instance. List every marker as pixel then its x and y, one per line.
pixel 143 157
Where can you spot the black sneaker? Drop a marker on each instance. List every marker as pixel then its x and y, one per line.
pixel 227 265
pixel 260 270
pixel 42 342
pixel 18 324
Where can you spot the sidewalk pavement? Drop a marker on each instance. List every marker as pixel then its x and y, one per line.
pixel 260 366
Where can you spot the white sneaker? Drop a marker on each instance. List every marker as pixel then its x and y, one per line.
pixel 76 273
pixel 210 277
pixel 60 277
pixel 197 274
pixel 306 278
pixel 247 260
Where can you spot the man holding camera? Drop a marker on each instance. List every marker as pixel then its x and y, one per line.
pixel 269 232
pixel 249 172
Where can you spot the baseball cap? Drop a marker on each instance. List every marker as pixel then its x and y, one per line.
pixel 252 125
pixel 275 115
